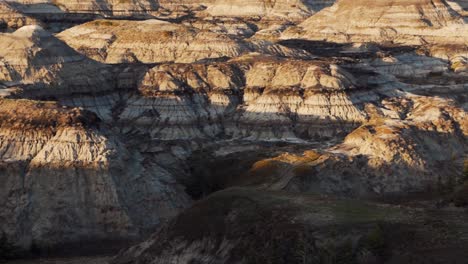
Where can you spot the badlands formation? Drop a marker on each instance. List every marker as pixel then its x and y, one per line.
pixel 406 22
pixel 174 131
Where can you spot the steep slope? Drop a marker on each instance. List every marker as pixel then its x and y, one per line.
pixel 110 7
pixel 103 7
pixel 66 179
pixel 148 115
pixel 155 41
pixel 249 226
pixel 407 22
pixel 40 64
pixel 11 19
pixel 461 6
pixel 287 9
pixel 257 98
pixel 384 157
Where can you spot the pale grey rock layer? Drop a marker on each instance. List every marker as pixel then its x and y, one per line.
pixel 296 9
pixel 65 180
pixel 156 41
pixel 261 223
pixel 389 156
pixel 103 7
pixel 244 98
pixel 399 117
pixel 406 22
pixel 283 10
pixel 32 57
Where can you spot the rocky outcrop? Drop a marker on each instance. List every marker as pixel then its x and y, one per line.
pixel 34 60
pixel 406 22
pixel 158 41
pixel 67 179
pixel 384 157
pixel 136 118
pixel 283 9
pixel 461 6
pixel 247 97
pixel 295 10
pixel 12 19
pixel 112 8
pixel 224 25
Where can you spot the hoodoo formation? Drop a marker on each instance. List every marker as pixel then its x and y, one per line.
pixel 243 132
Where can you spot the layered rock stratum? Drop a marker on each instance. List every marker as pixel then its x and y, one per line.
pixel 406 22
pixel 235 131
pixel 33 59
pixel 158 41
pixel 66 178
pixel 251 226
pixel 12 19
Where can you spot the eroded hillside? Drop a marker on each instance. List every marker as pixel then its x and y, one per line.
pixel 235 131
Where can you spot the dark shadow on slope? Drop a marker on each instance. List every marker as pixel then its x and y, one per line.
pixel 332 49
pixel 211 172
pixel 252 226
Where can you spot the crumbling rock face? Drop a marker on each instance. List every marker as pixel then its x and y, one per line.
pixel 65 179
pixel 230 26
pixel 461 6
pixel 407 22
pixel 36 61
pixel 244 98
pixel 295 10
pixel 155 41
pixel 12 19
pixel 110 7
pixel 370 102
pixel 386 156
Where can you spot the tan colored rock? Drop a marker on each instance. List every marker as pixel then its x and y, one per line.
pixel 400 21
pixel 65 179
pixel 110 7
pixel 255 97
pixel 103 7
pixel 224 25
pixel 155 41
pixel 296 9
pixel 461 6
pixel 384 157
pixel 12 19
pixel 45 66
